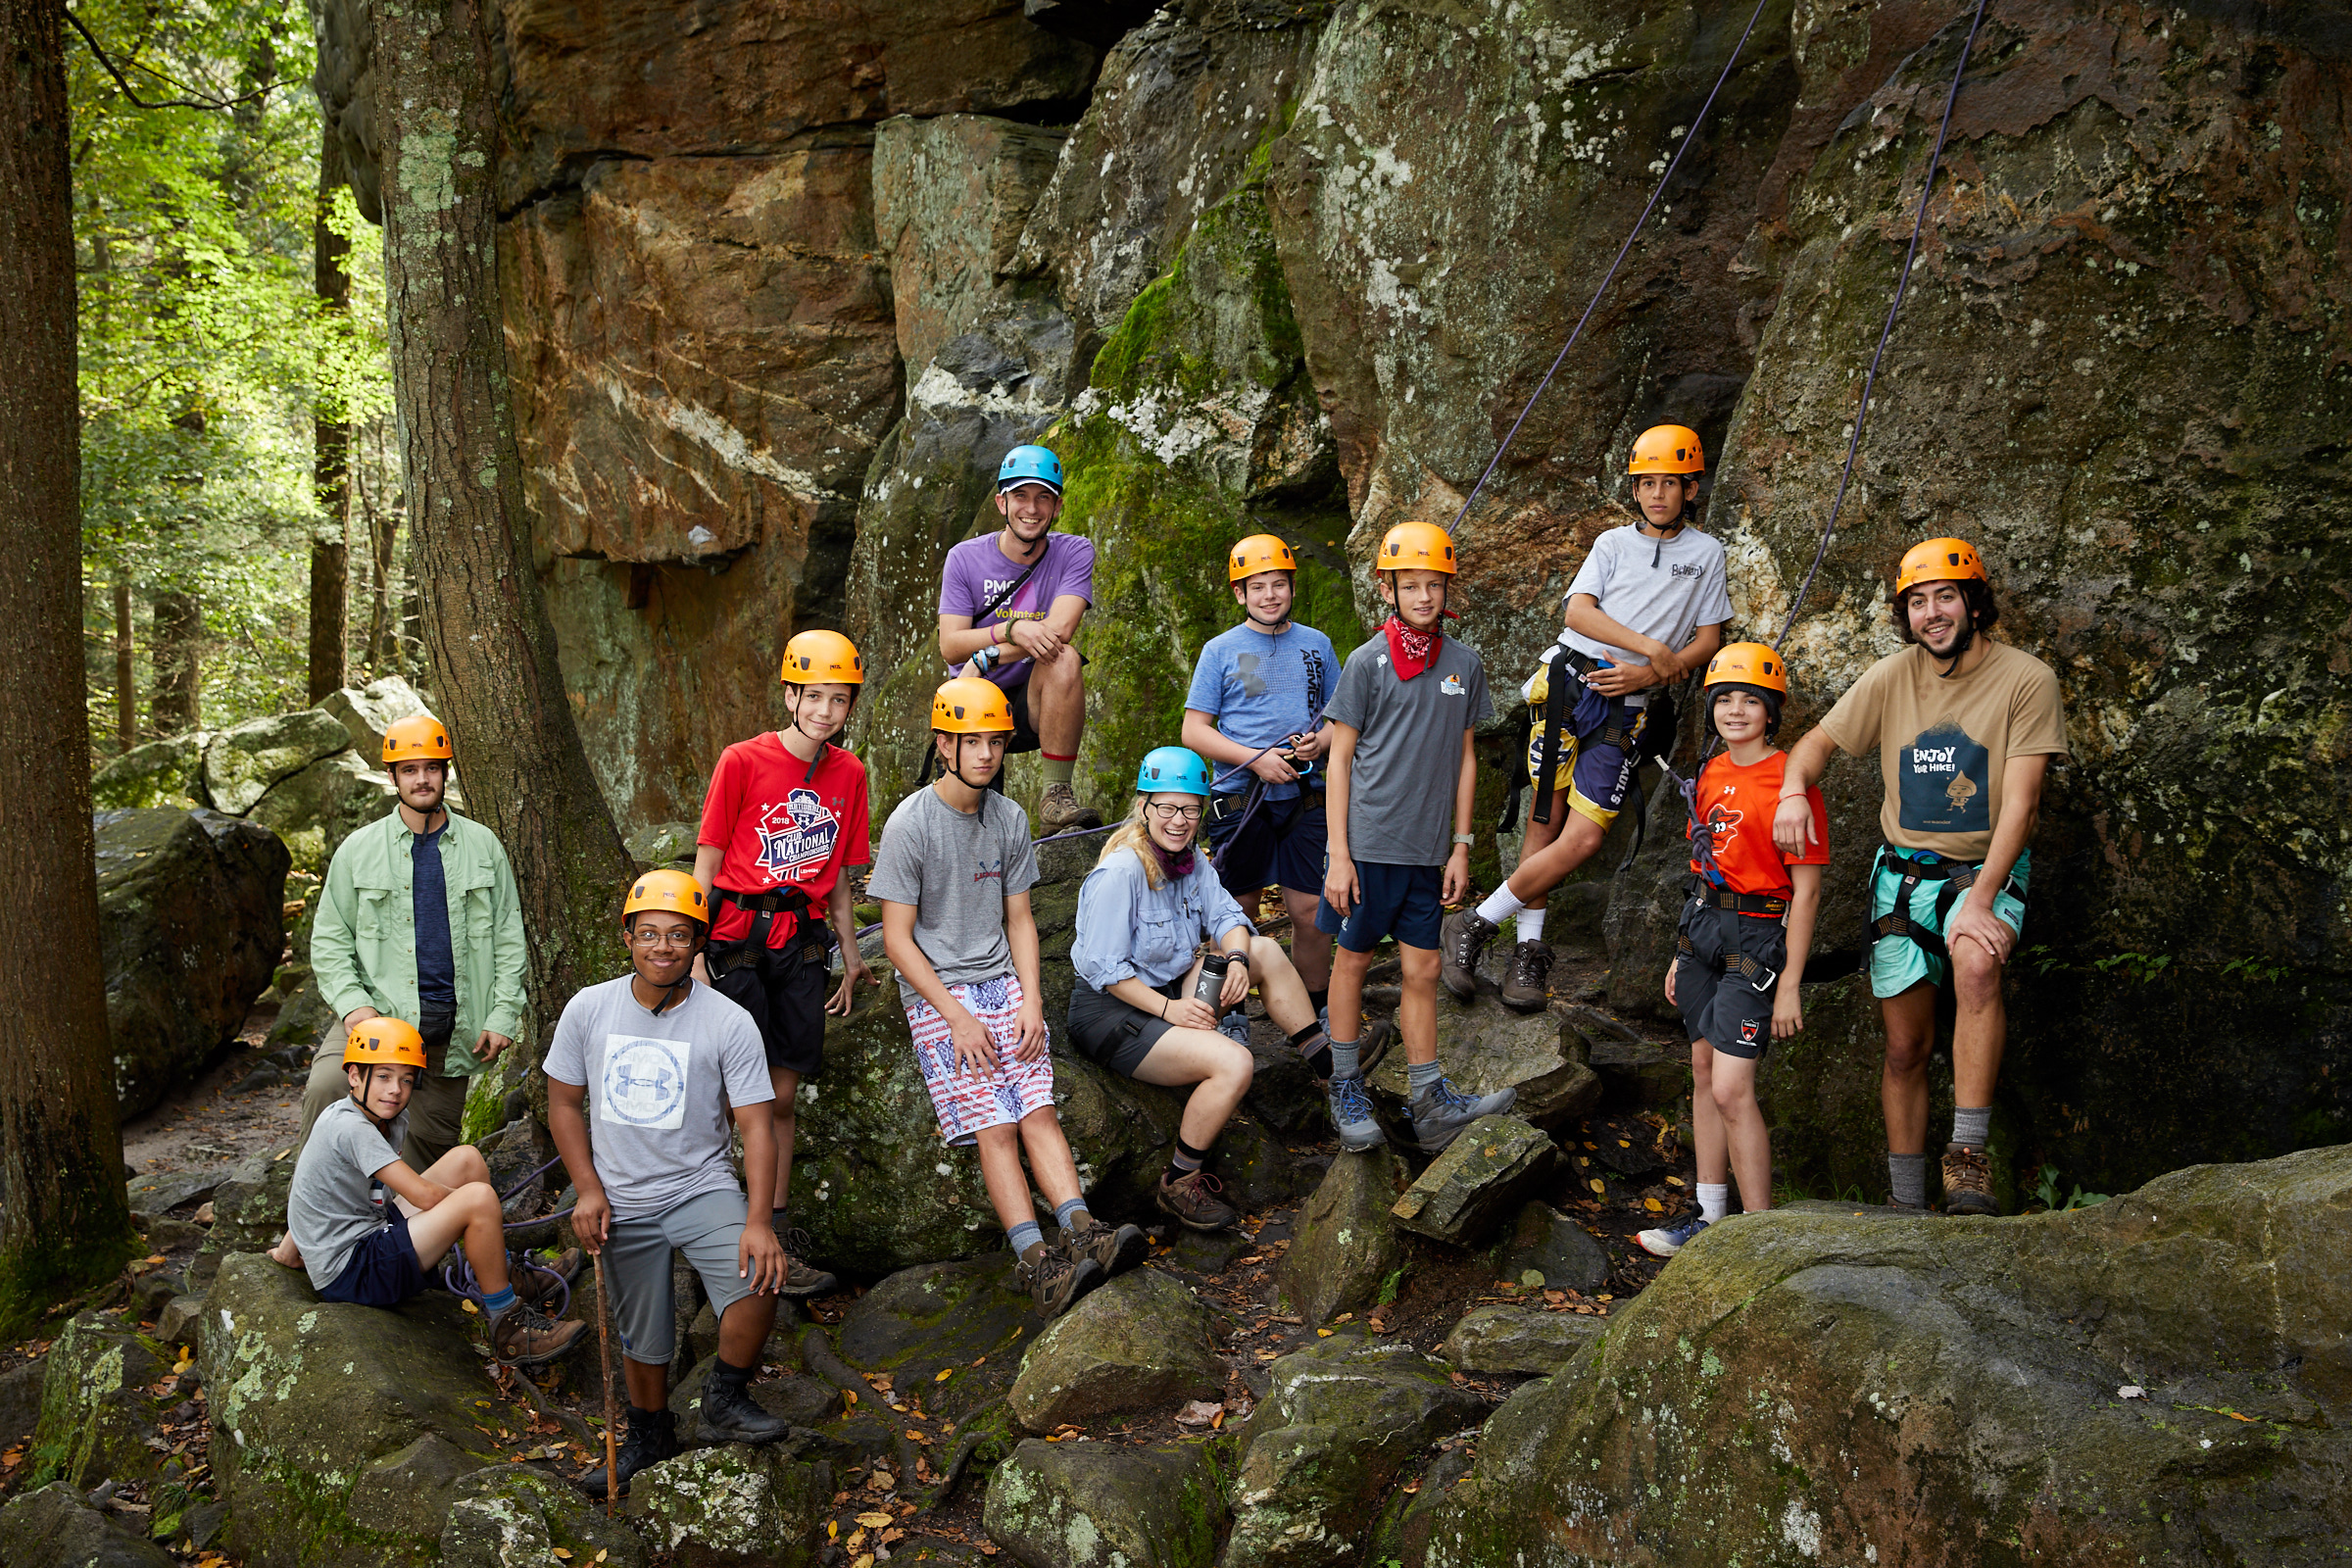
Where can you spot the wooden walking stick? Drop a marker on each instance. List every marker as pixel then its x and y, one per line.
pixel 603 1356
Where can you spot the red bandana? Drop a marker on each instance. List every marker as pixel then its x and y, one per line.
pixel 1410 652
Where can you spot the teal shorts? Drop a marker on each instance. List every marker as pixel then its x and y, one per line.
pixel 1896 962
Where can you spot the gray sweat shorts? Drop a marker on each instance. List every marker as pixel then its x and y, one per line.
pixel 708 1228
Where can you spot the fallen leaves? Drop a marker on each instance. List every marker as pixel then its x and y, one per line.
pixel 873 1521
pixel 1199 1413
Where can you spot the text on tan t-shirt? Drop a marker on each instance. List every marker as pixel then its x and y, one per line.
pixel 1943 744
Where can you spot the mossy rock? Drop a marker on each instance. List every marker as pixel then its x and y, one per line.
pixel 1504 1339
pixel 512 1514
pixel 735 1506
pixel 1343 1246
pixel 316 809
pixel 241 764
pixel 100 1403
pixel 1139 1344
pixel 950 1334
pixel 159 773
pixel 1097 1505
pixel 56 1527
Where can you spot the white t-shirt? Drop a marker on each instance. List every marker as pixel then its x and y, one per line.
pixel 1662 588
pixel 657 1090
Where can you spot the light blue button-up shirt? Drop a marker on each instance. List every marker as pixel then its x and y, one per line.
pixel 1130 930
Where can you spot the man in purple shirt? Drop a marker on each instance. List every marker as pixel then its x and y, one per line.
pixel 1008 605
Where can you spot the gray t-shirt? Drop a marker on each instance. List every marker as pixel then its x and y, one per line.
pixel 1662 588
pixel 1408 748
pixel 657 1090
pixel 334 1202
pixel 956 868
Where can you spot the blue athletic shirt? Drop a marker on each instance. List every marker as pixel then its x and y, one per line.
pixel 1261 689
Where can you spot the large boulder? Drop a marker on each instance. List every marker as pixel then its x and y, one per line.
pixel 366 712
pixel 57 1528
pixel 1343 1246
pixel 240 764
pixel 1105 1505
pixel 2164 1377
pixel 1139 1344
pixel 968 1320
pixel 105 1388
pixel 1483 1174
pixel 736 1506
pixel 315 811
pixel 159 773
pixel 190 929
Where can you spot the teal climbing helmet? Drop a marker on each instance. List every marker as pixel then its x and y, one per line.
pixel 1029 465
pixel 1173 771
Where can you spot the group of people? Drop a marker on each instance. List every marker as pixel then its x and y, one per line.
pixel 1346 785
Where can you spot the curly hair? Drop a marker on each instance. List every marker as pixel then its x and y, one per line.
pixel 1983 612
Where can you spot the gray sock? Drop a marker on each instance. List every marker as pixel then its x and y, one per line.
pixel 1343 1057
pixel 1064 1211
pixel 1907 1175
pixel 1027 1234
pixel 1971 1125
pixel 1420 1075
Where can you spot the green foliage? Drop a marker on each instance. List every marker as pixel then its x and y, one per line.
pixel 2045 1194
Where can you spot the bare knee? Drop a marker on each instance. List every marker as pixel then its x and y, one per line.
pixel 1419 965
pixel 1730 1094
pixel 1061 677
pixel 1702 1066
pixel 466 1164
pixel 1976 977
pixel 1907 1054
pixel 1236 1068
pixel 1267 958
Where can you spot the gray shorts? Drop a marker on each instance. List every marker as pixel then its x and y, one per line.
pixel 708 1228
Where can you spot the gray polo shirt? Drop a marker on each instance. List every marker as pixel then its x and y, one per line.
pixel 1408 748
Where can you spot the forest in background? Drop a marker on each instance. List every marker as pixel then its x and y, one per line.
pixel 242 549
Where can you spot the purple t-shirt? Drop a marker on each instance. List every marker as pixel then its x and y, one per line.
pixel 977 571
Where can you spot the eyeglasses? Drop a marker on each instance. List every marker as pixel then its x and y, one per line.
pixel 648 938
pixel 1170 814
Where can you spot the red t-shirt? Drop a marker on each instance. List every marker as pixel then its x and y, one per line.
pixel 1736 805
pixel 780 823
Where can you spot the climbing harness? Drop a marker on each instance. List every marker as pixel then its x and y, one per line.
pixel 457 1274
pixel 1923 866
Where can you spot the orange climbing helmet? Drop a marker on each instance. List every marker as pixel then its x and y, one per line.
pixel 1416 547
pixel 418 738
pixel 970 705
pixel 383 1042
pixel 1260 552
pixel 822 655
pixel 1751 668
pixel 1938 561
pixel 672 891
pixel 1667 449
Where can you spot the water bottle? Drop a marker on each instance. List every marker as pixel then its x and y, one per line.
pixel 1213 979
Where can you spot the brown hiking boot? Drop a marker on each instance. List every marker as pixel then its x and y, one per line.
pixel 534 1278
pixel 1379 1033
pixel 1967 1180
pixel 802 1278
pixel 1058 810
pixel 1192 1200
pixel 1528 987
pixel 1054 1281
pixel 1464 937
pixel 523 1335
pixel 1115 1249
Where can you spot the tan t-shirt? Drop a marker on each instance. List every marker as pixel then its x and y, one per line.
pixel 1943 744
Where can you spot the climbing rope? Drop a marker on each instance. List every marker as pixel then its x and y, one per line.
pixel 457 1274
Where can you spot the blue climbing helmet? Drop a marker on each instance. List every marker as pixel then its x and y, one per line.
pixel 1172 770
pixel 1029 465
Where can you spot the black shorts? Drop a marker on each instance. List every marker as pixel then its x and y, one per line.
pixel 1284 843
pixel 1111 1033
pixel 382 1271
pixel 783 989
pixel 1726 1008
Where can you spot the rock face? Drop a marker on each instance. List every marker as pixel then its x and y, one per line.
pixel 240 764
pixel 1097 1505
pixel 190 927
pixel 159 773
pixel 1136 1344
pixel 1812 1385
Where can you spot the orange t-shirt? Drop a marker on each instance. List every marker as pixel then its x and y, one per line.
pixel 1736 805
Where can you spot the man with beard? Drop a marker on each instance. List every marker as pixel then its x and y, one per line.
pixel 1965 729
pixel 420 919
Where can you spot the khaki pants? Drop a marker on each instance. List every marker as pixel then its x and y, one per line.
pixel 436 1110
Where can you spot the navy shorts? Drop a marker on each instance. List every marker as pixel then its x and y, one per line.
pixel 1282 844
pixel 1391 901
pixel 382 1271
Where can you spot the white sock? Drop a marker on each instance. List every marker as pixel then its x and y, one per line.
pixel 1531 925
pixel 1501 906
pixel 1713 1198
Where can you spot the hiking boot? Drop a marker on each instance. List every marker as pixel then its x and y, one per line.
pixel 1441 1113
pixel 1115 1249
pixel 652 1437
pixel 1192 1200
pixel 1967 1180
pixel 1235 1026
pixel 800 1277
pixel 1528 987
pixel 1054 1281
pixel 1668 1240
pixel 534 1278
pixel 1465 936
pixel 1058 810
pixel 525 1336
pixel 729 1412
pixel 1351 1117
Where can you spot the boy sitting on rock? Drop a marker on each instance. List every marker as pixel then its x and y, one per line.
pixel 954 876
pixel 358 1247
pixel 671 1061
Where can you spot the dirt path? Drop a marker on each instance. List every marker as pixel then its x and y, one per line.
pixel 221 1117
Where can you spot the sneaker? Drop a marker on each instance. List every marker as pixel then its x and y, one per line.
pixel 525 1336
pixel 1464 937
pixel 652 1437
pixel 1351 1115
pixel 1058 810
pixel 534 1278
pixel 1528 987
pixel 1054 1281
pixel 1668 1240
pixel 1192 1200
pixel 1235 1026
pixel 802 1279
pixel 1967 1180
pixel 729 1413
pixel 1115 1249
pixel 1441 1113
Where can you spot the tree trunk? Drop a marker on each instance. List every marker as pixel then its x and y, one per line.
pixel 178 655
pixel 65 1225
pixel 330 439
pixel 490 647
pixel 126 669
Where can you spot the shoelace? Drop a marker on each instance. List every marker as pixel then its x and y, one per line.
pixel 1202 1182
pixel 1349 1095
pixel 1449 1098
